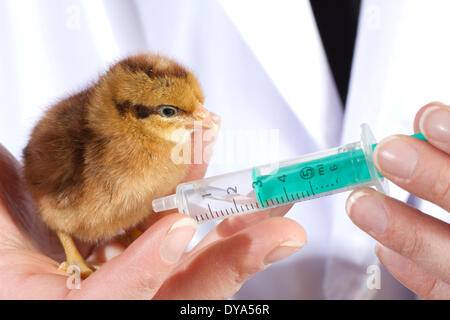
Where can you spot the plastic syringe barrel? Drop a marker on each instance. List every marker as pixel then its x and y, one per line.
pixel 348 167
pixel 265 187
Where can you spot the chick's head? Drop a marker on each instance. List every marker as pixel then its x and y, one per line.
pixel 149 96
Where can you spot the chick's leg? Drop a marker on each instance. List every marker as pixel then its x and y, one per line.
pixel 73 256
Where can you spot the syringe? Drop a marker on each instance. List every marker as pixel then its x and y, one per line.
pixel 278 184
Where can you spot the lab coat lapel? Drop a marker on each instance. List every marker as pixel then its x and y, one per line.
pixel 352 254
pixel 284 38
pixel 369 99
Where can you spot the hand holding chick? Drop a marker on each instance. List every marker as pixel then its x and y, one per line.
pixel 237 248
pixel 97 159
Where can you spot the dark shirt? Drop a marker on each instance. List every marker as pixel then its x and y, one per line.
pixel 337 21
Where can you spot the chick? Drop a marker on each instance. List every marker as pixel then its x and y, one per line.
pixel 97 159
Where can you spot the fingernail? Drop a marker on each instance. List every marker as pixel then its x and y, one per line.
pixel 397 157
pixel 435 123
pixel 282 251
pixel 367 211
pixel 177 239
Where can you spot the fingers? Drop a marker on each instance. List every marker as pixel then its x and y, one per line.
pixel 416 166
pixel 280 211
pixel 105 252
pixel 420 244
pixel 232 225
pixel 419 237
pixel 219 270
pixel 141 269
pixel 412 276
pixel 433 121
pixel 201 146
pixel 421 111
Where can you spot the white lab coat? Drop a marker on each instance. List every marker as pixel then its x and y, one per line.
pixel 263 69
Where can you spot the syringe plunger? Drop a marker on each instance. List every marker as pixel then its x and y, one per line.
pixel 165 203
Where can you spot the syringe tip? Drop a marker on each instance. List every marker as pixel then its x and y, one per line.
pixel 165 203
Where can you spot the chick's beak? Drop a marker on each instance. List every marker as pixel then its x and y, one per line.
pixel 208 120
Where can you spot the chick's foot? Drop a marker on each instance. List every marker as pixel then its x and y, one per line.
pixel 73 257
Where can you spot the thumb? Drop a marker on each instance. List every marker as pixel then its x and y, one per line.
pixel 142 268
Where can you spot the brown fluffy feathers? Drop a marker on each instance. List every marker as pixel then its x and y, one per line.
pixel 97 159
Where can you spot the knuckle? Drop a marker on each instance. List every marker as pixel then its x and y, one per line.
pixel 241 273
pixel 148 282
pixel 412 245
pixel 441 187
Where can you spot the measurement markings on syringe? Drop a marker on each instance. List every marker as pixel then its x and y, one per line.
pixel 295 196
pixel 209 208
pixel 310 179
pixel 224 212
pixel 297 183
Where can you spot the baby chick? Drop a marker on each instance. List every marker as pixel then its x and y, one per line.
pixel 97 159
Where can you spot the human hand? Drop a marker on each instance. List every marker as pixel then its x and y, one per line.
pixel 153 266
pixel 415 247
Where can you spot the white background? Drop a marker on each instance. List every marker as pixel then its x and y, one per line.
pixel 262 66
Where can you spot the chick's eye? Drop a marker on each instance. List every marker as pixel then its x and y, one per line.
pixel 168 111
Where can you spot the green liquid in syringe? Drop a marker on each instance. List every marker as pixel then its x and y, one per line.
pixel 307 179
pixel 314 178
